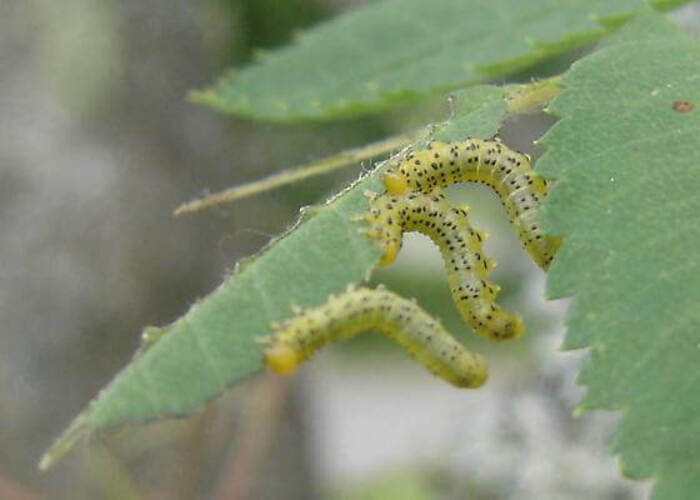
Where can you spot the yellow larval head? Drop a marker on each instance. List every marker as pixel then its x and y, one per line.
pixel 282 358
pixel 395 183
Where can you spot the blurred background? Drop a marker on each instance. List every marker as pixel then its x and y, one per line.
pixel 99 144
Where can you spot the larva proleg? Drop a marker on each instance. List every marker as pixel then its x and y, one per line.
pixel 461 248
pixel 362 309
pixel 509 173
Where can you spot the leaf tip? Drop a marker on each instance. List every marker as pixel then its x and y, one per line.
pixel 65 442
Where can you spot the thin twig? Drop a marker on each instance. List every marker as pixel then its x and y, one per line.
pixel 324 166
pixel 523 99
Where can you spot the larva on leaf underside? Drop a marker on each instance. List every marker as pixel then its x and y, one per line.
pixel 461 248
pixel 509 173
pixel 362 309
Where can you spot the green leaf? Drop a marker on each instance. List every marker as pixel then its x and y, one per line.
pixel 396 51
pixel 476 109
pixel 626 160
pixel 213 345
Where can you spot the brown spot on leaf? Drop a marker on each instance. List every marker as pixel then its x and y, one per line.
pixel 682 106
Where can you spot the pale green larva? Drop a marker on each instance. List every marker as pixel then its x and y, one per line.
pixel 461 248
pixel 490 162
pixel 361 309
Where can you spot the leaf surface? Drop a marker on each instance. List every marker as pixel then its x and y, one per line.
pixel 626 162
pixel 183 365
pixel 392 52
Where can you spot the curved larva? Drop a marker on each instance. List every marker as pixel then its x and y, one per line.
pixel 362 309
pixel 490 162
pixel 461 248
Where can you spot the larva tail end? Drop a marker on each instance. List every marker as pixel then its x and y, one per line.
pixel 395 183
pixel 282 359
pixel 477 379
pixel 511 328
pixel 543 252
pixel 471 373
pixel 492 322
pixel 515 327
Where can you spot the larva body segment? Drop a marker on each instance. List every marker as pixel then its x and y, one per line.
pixel 362 309
pixel 489 162
pixel 461 248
